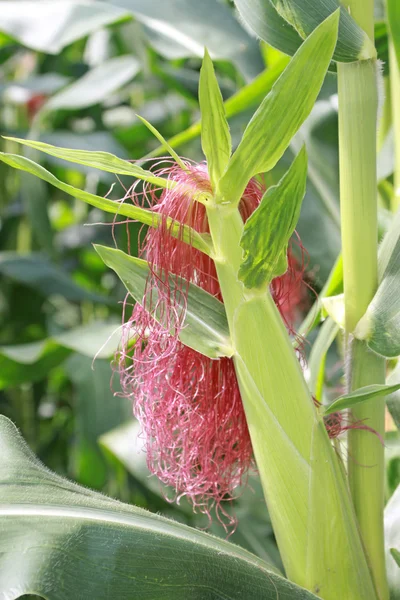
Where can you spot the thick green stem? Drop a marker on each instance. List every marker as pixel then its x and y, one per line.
pixel 395 94
pixel 306 492
pixel 358 101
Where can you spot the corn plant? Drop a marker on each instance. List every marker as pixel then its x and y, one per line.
pixel 211 357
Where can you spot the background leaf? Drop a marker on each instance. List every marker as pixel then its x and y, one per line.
pixel 28 21
pixel 96 85
pixel 21 363
pixel 38 272
pixel 184 27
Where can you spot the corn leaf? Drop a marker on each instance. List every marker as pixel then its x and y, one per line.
pixel 205 328
pixel 316 363
pixel 47 522
pixel 262 17
pixel 96 160
pixel 284 23
pixel 200 241
pixel 369 392
pixel 164 143
pixel 282 112
pixel 267 232
pixel 215 137
pixel 380 326
pixel 305 15
pixel 396 555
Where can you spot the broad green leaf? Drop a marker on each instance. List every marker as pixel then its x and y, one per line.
pixel 206 328
pixel 267 232
pixel 393 13
pixel 363 394
pixel 96 85
pixel 36 271
pixel 380 326
pixel 262 17
pixel 61 540
pixel 396 555
pixel 197 240
pixel 126 445
pixel 317 361
pixel 215 137
pixel 182 28
pixel 49 27
pixel 282 112
pixel 23 363
pixel 392 537
pixel 353 43
pixel 247 97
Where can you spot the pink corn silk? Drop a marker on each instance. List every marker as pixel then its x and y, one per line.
pixel 189 406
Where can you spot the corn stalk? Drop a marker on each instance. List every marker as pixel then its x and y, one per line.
pixel 358 188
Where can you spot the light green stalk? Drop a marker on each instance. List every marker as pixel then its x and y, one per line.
pixel 395 94
pixel 358 101
pixel 306 492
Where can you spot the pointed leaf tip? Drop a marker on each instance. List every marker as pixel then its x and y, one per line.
pixel 267 232
pixel 215 136
pixel 369 392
